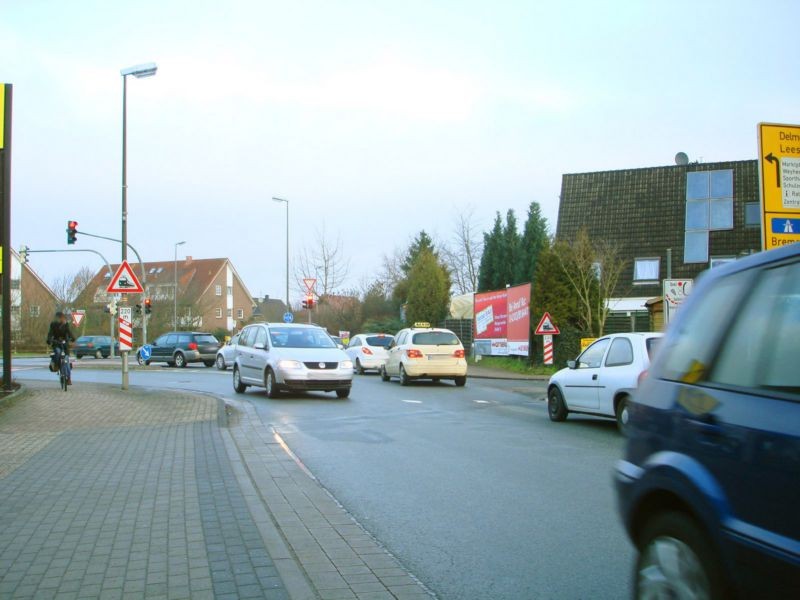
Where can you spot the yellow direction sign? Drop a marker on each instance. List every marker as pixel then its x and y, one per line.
pixel 779 173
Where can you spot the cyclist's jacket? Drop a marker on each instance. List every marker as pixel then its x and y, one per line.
pixel 59 331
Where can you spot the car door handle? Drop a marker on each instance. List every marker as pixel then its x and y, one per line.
pixel 707 425
pixel 594 377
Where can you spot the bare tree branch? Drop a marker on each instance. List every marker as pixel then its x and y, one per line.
pixel 325 262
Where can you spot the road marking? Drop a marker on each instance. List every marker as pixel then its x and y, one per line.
pixel 481 401
pixel 413 401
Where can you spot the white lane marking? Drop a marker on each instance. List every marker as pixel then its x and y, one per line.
pixel 413 401
pixel 481 401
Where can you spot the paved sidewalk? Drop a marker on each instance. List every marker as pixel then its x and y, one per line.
pixel 154 494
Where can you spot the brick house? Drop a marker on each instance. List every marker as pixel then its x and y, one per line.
pixel 678 219
pixel 211 295
pixel 33 305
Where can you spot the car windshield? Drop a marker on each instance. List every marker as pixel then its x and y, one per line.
pixel 206 339
pixel 300 337
pixel 83 339
pixel 652 345
pixel 435 338
pixel 380 340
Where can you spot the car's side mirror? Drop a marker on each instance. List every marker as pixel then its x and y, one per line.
pixel 259 346
pixel 572 364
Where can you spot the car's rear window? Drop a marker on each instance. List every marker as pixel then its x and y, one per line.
pixel 435 338
pixel 652 345
pixel 380 340
pixel 84 338
pixel 206 339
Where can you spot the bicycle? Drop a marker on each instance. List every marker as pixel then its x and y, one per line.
pixel 63 364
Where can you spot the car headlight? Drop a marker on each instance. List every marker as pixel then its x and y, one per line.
pixel 346 364
pixel 290 364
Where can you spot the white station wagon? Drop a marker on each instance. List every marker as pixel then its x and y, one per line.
pixel 601 380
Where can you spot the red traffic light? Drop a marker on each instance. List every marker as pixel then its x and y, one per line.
pixel 72 232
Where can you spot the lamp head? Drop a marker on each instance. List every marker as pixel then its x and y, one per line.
pixel 140 71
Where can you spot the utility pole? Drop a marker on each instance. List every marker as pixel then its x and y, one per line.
pixel 6 91
pixel 288 306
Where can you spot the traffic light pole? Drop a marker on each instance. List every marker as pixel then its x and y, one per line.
pixel 141 266
pixel 110 274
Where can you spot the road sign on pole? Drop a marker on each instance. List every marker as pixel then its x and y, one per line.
pixel 548 349
pixel 546 326
pixel 779 175
pixel 125 281
pixel 675 292
pixel 125 328
pixel 77 317
pixel 146 352
pixel 288 317
pixel 310 283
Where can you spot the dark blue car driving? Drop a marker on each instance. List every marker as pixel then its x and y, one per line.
pixel 709 489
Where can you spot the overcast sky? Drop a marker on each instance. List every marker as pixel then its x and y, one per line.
pixel 375 118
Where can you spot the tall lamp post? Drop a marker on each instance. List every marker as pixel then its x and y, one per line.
pixel 288 307
pixel 175 293
pixel 138 71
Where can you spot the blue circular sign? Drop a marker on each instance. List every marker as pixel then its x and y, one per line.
pixel 146 351
pixel 288 317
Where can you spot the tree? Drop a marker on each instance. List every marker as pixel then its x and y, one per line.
pixel 68 287
pixel 533 243
pixel 325 262
pixel 592 270
pixel 492 250
pixel 510 253
pixel 428 290
pixel 421 243
pixel 463 255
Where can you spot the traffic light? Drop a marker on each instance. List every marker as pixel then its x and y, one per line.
pixel 308 303
pixel 72 232
pixel 148 306
pixel 138 309
pixel 23 255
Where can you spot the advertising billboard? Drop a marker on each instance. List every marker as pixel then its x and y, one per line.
pixel 518 302
pixel 502 321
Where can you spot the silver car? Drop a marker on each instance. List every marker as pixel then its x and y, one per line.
pixel 290 357
pixel 227 353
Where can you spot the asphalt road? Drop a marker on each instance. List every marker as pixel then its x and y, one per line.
pixel 473 488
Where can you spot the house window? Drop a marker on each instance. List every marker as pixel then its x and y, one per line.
pixel 646 270
pixel 35 310
pixel 752 214
pixel 718 261
pixel 218 312
pixel 15 284
pixel 218 290
pixel 695 248
pixel 230 312
pixel 240 313
pixel 230 290
pixel 721 214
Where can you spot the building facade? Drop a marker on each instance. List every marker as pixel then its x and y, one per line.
pixel 211 295
pixel 674 220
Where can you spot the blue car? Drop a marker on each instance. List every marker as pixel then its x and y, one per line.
pixel 709 489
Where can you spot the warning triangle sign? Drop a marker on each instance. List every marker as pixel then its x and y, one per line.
pixel 546 326
pixel 124 281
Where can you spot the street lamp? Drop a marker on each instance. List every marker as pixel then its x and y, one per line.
pixel 138 71
pixel 287 248
pixel 175 294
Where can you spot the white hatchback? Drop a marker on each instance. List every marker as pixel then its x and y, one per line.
pixel 601 380
pixel 368 351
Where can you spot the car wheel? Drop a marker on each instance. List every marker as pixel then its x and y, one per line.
pixel 622 413
pixel 238 386
pixel 221 362
pixel 556 408
pixel 270 385
pixel 79 356
pixel 359 368
pixel 180 360
pixel 345 393
pixel 676 560
pixel 98 355
pixel 404 378
pixel 139 359
pixel 461 381
pixel 384 374
pixel 209 363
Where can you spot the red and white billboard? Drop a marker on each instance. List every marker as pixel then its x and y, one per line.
pixel 491 310
pixel 502 321
pixel 519 319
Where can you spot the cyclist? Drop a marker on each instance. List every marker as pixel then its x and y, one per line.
pixel 59 337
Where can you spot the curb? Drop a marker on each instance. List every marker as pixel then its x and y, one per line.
pixel 510 378
pixel 13 396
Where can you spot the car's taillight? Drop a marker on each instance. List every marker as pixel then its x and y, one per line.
pixel 90 345
pixel 192 346
pixel 459 353
pixel 367 351
pixel 641 378
pixel 413 354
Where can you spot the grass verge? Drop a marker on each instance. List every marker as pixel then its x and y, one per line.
pixel 515 365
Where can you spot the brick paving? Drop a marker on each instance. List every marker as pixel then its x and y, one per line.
pixel 147 494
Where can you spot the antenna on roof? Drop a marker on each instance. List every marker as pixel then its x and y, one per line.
pixel 681 159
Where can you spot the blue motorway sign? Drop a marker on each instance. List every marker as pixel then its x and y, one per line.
pixel 288 317
pixel 146 352
pixel 784 225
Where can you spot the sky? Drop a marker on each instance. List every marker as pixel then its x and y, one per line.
pixel 375 119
